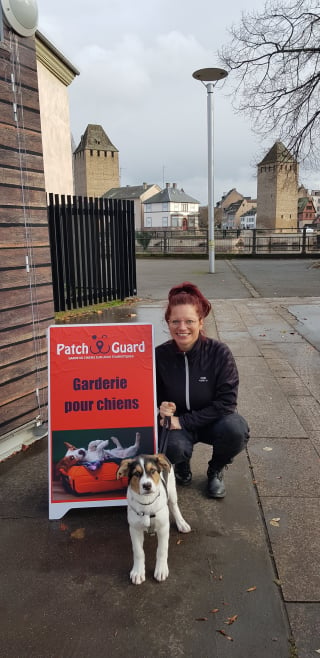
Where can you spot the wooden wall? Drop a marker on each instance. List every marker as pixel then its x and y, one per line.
pixel 25 271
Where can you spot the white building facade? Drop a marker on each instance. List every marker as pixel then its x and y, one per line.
pixel 171 208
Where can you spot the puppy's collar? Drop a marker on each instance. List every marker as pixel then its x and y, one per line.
pixel 145 513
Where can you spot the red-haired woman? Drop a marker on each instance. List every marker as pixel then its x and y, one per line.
pixel 197 386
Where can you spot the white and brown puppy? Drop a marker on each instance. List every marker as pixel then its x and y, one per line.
pixel 151 494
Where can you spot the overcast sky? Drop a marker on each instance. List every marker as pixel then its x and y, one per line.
pixel 136 60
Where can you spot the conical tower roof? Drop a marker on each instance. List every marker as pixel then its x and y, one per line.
pixel 278 153
pixel 94 137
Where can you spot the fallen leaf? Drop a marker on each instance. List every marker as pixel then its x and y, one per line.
pixel 267 449
pixel 251 589
pixel 231 620
pixel 275 522
pixel 78 534
pixel 317 650
pixel 220 577
pixel 214 610
pixel 132 315
pixel 201 618
pixel 277 582
pixel 63 526
pixel 179 541
pixel 222 632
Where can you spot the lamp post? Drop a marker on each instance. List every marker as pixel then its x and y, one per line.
pixel 211 77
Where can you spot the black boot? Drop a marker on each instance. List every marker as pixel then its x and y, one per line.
pixel 216 488
pixel 183 473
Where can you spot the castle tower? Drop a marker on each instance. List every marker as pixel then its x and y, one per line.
pixel 277 197
pixel 96 163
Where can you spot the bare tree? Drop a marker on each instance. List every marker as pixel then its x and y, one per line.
pixel 275 60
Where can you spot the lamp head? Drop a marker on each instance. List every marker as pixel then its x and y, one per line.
pixel 210 75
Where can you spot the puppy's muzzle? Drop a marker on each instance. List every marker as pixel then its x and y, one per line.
pixel 147 486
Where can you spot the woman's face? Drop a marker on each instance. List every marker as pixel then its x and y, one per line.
pixel 184 325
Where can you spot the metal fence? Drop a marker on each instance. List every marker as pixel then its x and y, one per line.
pixel 92 245
pixel 253 242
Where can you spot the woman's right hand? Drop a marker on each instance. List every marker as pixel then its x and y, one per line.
pixel 167 409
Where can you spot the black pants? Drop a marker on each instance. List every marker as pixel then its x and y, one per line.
pixel 228 436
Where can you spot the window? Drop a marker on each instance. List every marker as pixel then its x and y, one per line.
pixel 174 220
pixel 165 206
pixel 164 221
pixel 148 223
pixel 148 207
pixel 176 206
pixel 184 207
pixel 91 152
pixel 98 154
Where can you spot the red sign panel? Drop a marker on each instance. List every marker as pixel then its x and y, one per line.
pixel 101 409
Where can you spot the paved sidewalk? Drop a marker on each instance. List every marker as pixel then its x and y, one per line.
pixel 252 558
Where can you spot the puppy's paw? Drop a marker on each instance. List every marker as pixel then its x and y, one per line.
pixel 183 526
pixel 161 571
pixel 137 577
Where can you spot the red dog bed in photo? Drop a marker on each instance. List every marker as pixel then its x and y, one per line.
pixel 80 480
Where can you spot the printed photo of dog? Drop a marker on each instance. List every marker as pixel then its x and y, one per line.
pixel 151 496
pixel 98 452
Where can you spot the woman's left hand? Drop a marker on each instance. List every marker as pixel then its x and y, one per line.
pixel 175 424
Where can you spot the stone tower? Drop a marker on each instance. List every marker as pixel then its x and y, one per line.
pixel 96 163
pixel 277 198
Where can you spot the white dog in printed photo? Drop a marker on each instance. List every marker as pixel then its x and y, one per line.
pixel 99 450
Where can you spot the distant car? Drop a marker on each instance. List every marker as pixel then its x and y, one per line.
pixel 308 229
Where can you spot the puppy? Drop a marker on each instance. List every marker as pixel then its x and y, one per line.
pixel 151 494
pixel 65 463
pixel 94 452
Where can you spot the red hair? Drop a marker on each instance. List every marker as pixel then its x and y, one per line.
pixel 188 293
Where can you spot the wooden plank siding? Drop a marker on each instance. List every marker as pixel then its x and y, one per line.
pixel 26 296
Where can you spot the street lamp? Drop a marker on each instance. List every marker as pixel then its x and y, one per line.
pixel 211 77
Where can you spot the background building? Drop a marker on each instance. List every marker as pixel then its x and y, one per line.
pixel 171 208
pixel 136 193
pixel 55 74
pixel 96 163
pixel 277 197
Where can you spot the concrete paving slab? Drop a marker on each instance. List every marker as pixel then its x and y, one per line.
pixel 295 544
pixel 263 403
pixel 277 467
pixel 292 386
pixel 240 343
pixel 305 360
pixel 304 621
pixel 308 324
pixel 264 332
pixel 315 440
pixel 281 368
pixel 307 410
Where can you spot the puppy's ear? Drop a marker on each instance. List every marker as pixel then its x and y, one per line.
pixel 123 469
pixel 163 462
pixel 69 446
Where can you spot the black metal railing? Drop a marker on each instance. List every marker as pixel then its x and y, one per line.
pixel 228 241
pixel 92 245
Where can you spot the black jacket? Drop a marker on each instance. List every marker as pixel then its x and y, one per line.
pixel 202 382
